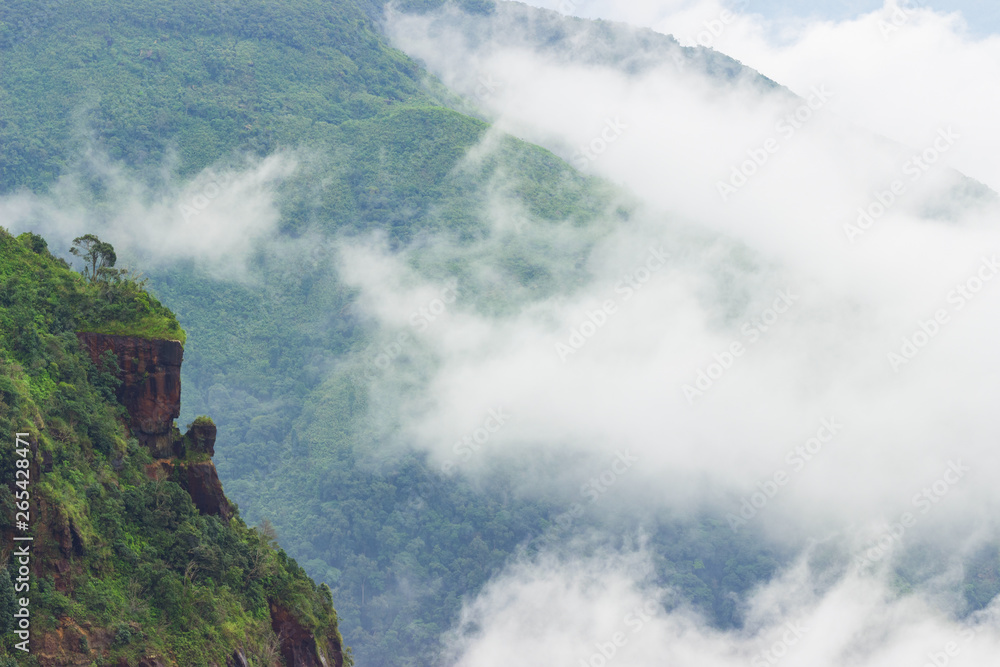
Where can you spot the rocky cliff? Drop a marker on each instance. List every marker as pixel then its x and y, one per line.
pixel 116 540
pixel 150 391
pixel 150 371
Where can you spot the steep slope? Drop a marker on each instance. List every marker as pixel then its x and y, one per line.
pixel 137 556
pixel 281 360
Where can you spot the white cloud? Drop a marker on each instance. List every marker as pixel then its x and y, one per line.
pixel 856 298
pixel 602 611
pixel 216 218
pixel 848 200
pixel 901 71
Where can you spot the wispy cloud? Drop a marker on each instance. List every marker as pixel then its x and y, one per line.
pixel 216 218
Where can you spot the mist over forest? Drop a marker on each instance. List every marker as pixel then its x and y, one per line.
pixel 569 333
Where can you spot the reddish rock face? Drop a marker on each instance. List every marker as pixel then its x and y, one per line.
pixel 71 645
pixel 298 645
pixel 206 490
pixel 200 438
pixel 150 371
pixel 200 480
pixel 151 383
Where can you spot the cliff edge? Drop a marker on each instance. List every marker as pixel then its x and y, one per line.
pixel 118 546
pixel 149 388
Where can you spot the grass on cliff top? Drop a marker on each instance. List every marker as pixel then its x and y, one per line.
pixel 147 327
pixel 39 290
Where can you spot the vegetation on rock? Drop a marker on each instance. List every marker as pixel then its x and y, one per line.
pixel 125 565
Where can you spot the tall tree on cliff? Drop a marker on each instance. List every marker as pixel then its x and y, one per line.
pixel 98 255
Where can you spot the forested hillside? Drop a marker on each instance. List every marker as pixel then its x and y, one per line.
pixel 283 359
pixel 191 85
pixel 125 567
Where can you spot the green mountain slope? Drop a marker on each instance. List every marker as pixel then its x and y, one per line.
pixel 199 79
pixel 282 361
pixel 124 566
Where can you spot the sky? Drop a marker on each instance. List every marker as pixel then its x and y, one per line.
pixel 982 17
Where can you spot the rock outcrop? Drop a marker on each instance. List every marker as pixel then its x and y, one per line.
pixel 206 490
pixel 71 644
pixel 150 371
pixel 200 438
pixel 298 645
pixel 200 480
pixel 150 390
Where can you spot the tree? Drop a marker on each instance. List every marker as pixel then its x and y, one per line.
pixel 99 256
